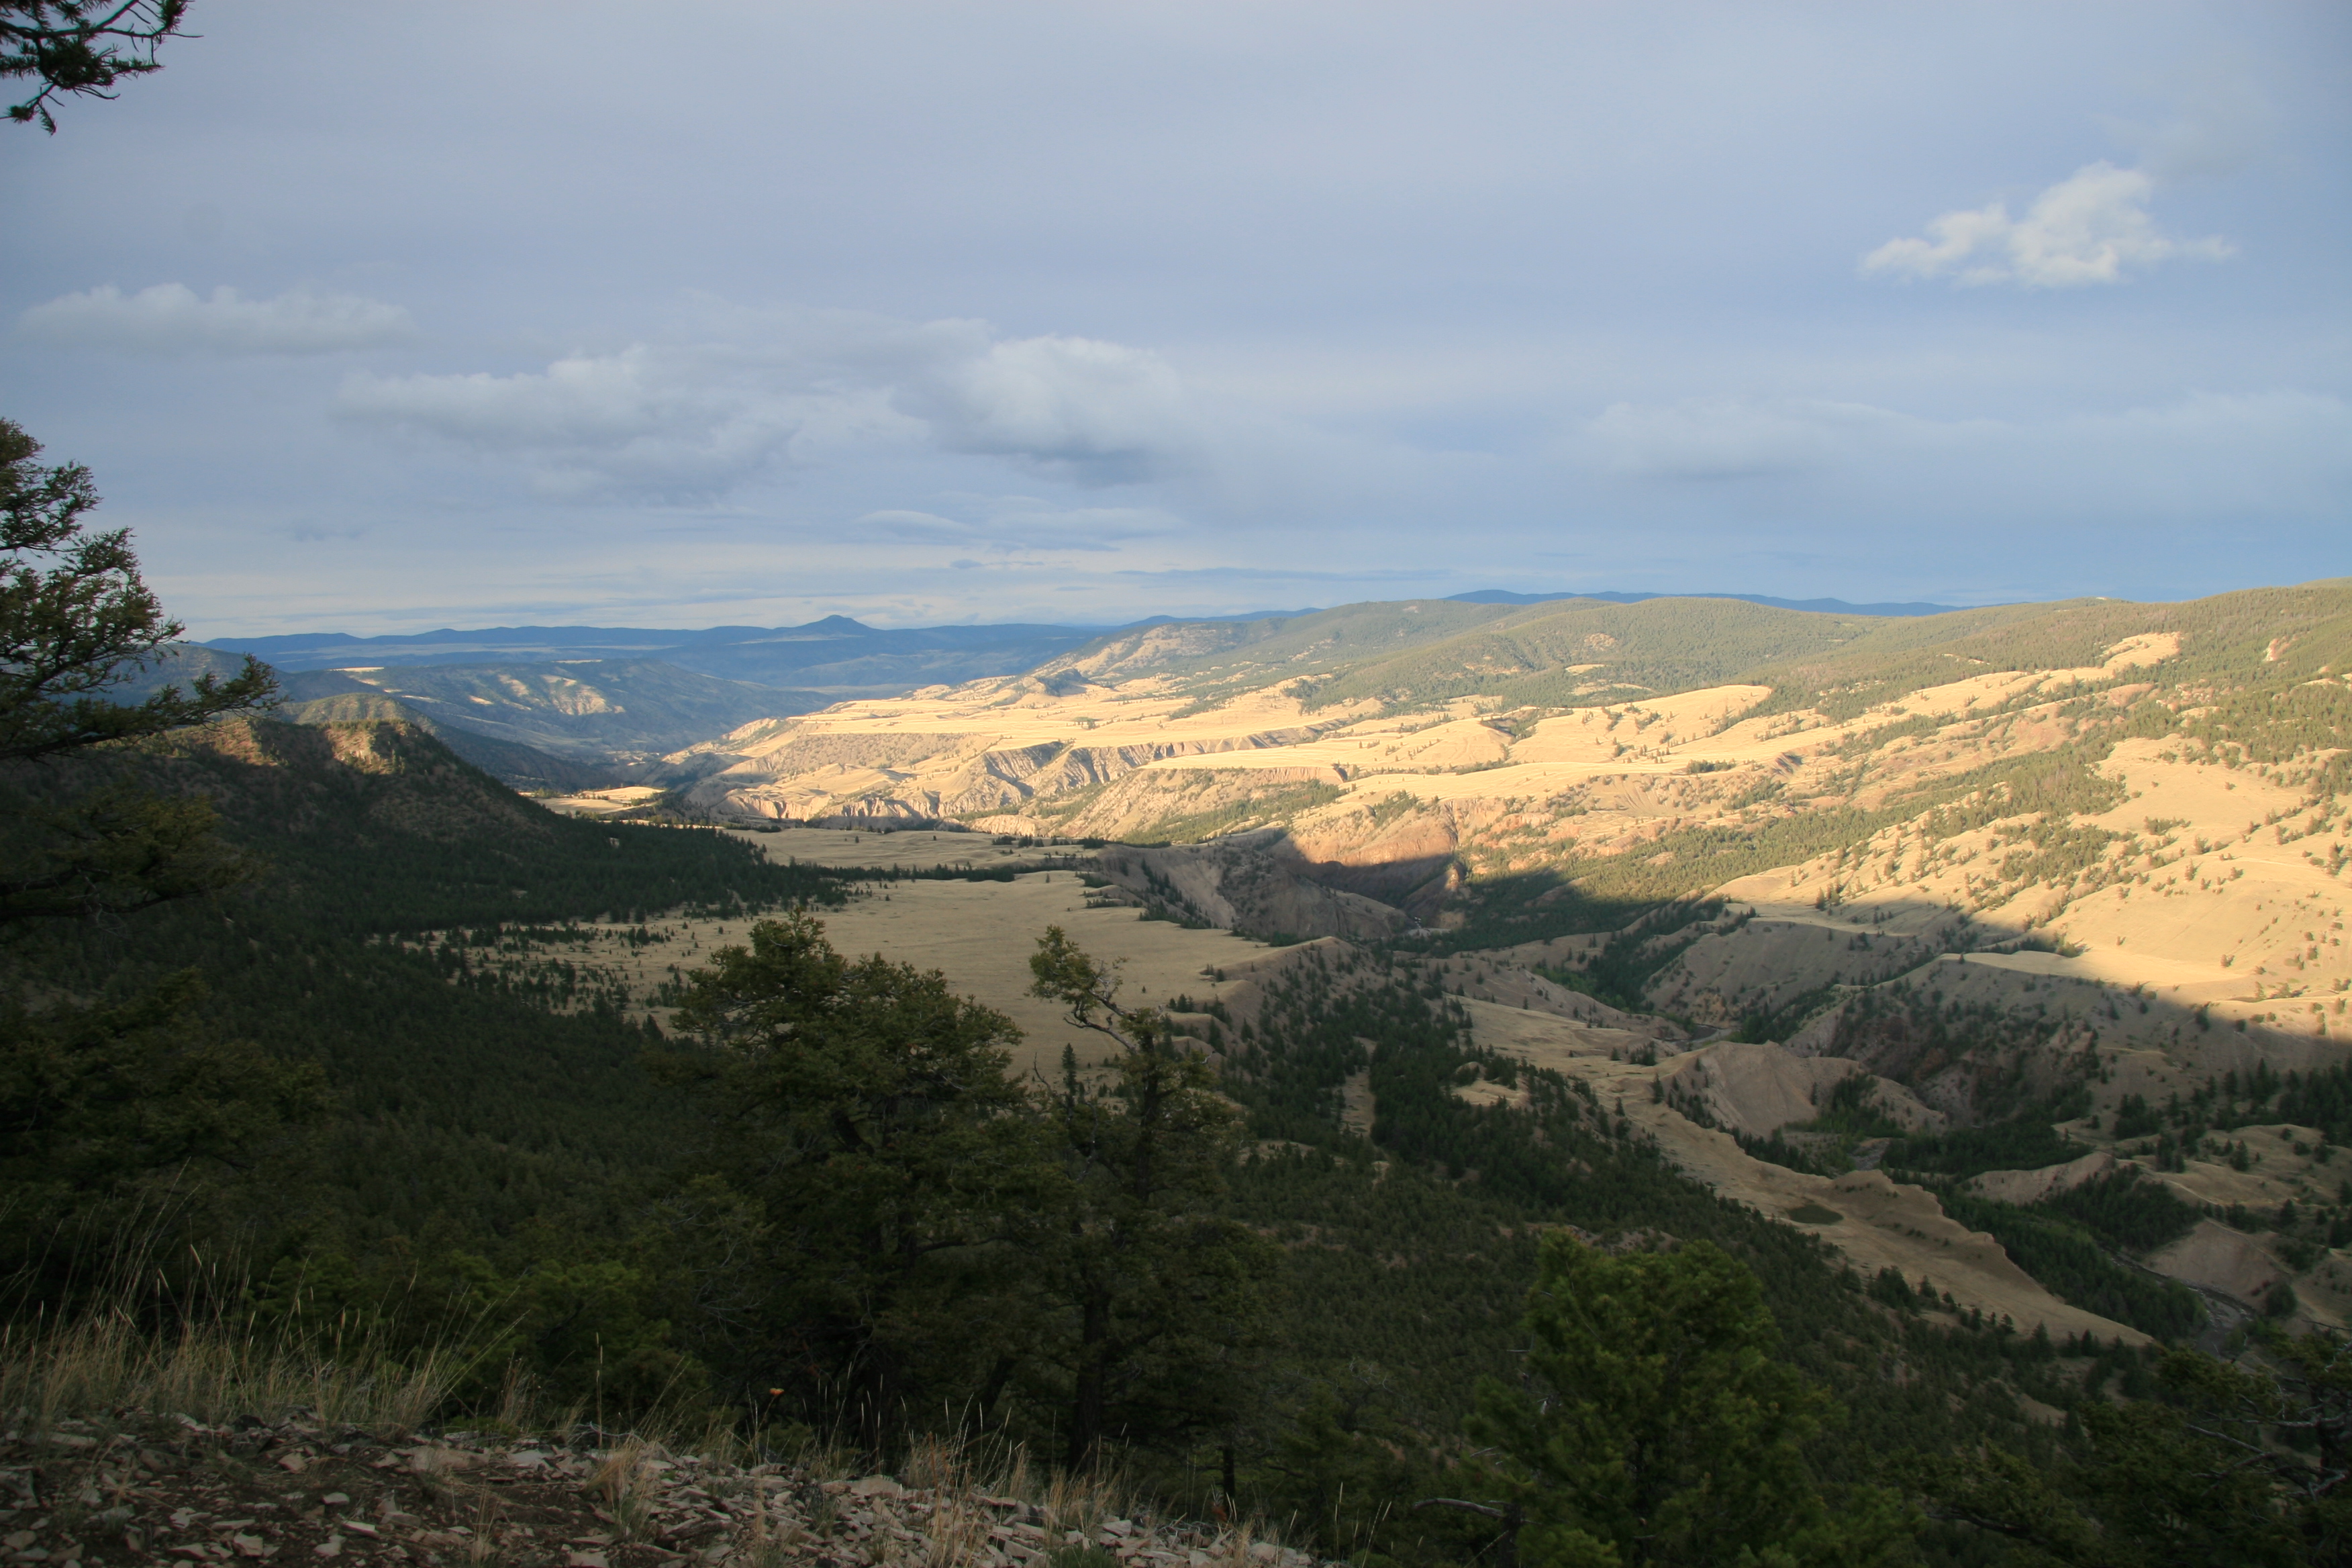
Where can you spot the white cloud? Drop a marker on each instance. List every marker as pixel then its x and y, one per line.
pixel 762 389
pixel 173 319
pixel 2089 228
pixel 654 422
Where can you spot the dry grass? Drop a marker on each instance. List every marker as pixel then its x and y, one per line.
pixel 213 1372
pixel 216 1372
pixel 484 1546
pixel 956 1532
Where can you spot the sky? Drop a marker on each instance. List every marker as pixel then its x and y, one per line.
pixel 387 317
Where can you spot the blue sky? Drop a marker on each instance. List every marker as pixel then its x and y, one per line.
pixel 382 318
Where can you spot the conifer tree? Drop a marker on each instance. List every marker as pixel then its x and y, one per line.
pixel 96 1098
pixel 867 1118
pixel 1654 1425
pixel 2241 1462
pixel 76 622
pixel 1147 1298
pixel 83 47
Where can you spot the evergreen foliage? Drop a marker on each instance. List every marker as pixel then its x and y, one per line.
pixel 81 47
pixel 2126 1212
pixel 2234 1463
pixel 1660 1427
pixel 2069 1259
pixel 863 1144
pixel 1148 1299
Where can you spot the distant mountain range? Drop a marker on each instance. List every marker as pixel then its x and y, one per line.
pixel 836 655
pixel 1826 606
pixel 573 707
pixel 578 724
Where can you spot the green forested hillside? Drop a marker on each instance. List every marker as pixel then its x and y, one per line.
pixel 487 1168
pixel 525 767
pixel 464 1122
pixel 452 1111
pixel 1426 651
pixel 1582 652
pixel 2284 633
pixel 827 1214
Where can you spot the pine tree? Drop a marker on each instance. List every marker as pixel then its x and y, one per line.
pixel 863 1120
pixel 1149 1299
pixel 97 1097
pixel 1655 1426
pixel 76 622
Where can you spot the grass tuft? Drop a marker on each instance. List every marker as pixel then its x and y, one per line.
pixel 213 1372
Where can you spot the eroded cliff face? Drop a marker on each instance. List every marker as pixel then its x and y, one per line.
pixel 830 767
pixel 1246 883
pixel 1865 841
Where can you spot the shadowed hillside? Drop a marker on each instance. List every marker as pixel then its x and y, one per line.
pixel 2075 866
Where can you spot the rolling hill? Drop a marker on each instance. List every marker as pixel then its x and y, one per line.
pixel 1803 892
pixel 599 711
pixel 2067 878
pixel 1978 978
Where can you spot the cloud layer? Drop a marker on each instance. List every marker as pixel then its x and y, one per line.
pixel 2202 456
pixel 762 390
pixel 2091 227
pixel 173 319
pixel 936 312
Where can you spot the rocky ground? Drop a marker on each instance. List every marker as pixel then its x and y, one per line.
pixel 136 1486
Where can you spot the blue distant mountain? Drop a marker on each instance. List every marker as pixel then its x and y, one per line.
pixel 836 655
pixel 1825 606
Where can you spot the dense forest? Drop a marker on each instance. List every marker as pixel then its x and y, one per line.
pixel 253 1071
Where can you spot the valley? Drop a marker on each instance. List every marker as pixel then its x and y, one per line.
pixel 1978 981
pixel 2083 854
pixel 956 798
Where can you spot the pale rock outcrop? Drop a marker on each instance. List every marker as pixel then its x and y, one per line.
pixel 2032 1186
